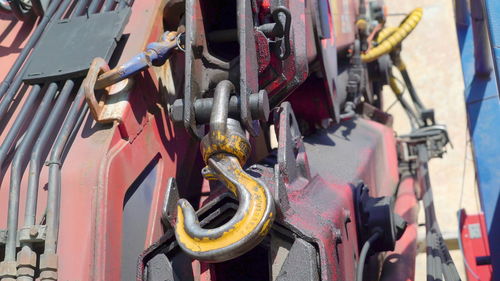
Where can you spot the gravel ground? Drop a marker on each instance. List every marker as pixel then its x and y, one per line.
pixel 432 58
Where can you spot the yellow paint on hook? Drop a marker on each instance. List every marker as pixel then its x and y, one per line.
pixel 253 216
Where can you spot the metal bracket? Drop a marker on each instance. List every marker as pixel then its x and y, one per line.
pixel 435 138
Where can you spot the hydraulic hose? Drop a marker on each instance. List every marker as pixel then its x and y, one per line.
pixel 17 171
pixel 21 118
pixel 78 108
pixel 387 45
pixel 363 254
pixel 10 248
pixel 54 164
pixel 36 154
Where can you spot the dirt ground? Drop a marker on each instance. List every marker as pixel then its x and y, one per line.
pixel 432 58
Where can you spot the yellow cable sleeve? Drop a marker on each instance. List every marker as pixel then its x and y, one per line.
pixel 397 37
pixel 384 33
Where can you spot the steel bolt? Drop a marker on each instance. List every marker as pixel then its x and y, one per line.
pixel 176 111
pixel 338 235
pixel 347 216
pixel 258 106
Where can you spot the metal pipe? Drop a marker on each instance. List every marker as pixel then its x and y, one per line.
pixel 108 5
pixel 27 48
pixel 17 173
pixel 80 8
pixel 62 9
pixel 400 263
pixel 94 6
pixel 36 155
pixel 10 249
pixel 21 118
pixel 54 163
pixel 7 99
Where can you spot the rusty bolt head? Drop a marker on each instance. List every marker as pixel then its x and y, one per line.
pixel 176 111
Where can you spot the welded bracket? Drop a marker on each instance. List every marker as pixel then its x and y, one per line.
pixel 292 168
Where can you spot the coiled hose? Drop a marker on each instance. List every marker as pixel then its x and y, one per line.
pixel 394 38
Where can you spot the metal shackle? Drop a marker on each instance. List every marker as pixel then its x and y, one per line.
pixel 225 149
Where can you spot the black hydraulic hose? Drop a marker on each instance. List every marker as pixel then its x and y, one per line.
pixel 17 172
pixel 36 155
pixel 413 94
pixel 414 120
pixel 54 163
pixel 10 249
pixel 363 254
pixel 27 48
pixel 449 269
pixel 439 261
pixel 20 119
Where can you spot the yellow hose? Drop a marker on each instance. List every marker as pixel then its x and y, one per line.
pixel 387 45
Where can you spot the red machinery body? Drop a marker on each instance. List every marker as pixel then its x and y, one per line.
pixel 114 176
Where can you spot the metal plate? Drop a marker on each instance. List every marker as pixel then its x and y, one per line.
pixel 68 46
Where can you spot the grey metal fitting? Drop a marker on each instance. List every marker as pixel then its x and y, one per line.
pixel 48 267
pixel 26 264
pixel 32 234
pixel 8 270
pixel 259 108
